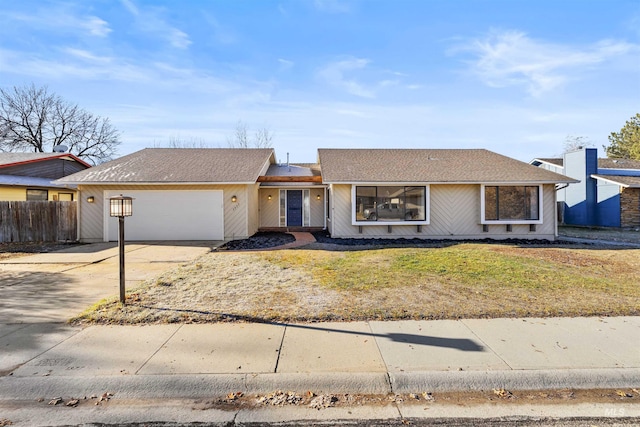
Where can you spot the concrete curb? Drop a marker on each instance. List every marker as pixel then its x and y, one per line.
pixel 211 385
pixel 515 380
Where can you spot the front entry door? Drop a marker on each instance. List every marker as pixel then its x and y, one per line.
pixel 294 208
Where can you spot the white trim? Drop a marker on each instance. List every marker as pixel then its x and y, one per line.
pixel 385 183
pixel 427 201
pixel 511 221
pixel 133 184
pixel 601 178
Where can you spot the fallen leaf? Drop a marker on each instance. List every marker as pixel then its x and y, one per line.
pixel 427 396
pixel 72 403
pixel 623 394
pixel 502 393
pixel 55 401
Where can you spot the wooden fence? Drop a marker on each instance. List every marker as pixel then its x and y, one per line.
pixel 38 221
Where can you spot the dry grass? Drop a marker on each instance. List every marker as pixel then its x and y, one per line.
pixel 459 281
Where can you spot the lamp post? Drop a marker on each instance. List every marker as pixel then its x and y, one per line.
pixel 121 206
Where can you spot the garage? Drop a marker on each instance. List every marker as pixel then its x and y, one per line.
pixel 169 215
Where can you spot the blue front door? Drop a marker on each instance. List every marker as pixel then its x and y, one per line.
pixel 294 208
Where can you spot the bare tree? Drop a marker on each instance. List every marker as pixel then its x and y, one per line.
pixel 177 142
pixel 262 137
pixel 32 119
pixel 574 143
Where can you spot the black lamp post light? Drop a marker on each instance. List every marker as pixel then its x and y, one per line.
pixel 121 206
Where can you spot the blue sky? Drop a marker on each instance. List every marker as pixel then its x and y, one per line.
pixel 515 77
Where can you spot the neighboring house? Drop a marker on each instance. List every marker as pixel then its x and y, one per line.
pixel 216 194
pixel 608 194
pixel 29 176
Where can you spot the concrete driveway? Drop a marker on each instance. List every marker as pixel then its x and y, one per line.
pixel 52 287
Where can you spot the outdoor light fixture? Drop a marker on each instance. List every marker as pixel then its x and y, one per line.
pixel 269 197
pixel 91 199
pixel 121 206
pixel 234 199
pixel 318 197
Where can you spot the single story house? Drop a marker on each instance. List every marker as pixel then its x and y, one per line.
pixel 29 176
pixel 608 194
pixel 216 194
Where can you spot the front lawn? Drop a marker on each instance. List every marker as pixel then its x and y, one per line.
pixel 467 280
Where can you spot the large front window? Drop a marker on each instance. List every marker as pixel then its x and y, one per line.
pixel 511 203
pixel 390 203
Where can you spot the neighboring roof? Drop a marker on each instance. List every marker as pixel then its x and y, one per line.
pixel 28 181
pixel 551 161
pixel 618 164
pixel 179 165
pixel 429 166
pixel 622 180
pixel 292 170
pixel 14 159
pixel 603 163
pixel 297 169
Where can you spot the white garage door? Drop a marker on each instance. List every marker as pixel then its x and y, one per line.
pixel 169 215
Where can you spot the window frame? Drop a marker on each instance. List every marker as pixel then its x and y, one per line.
pixel 46 193
pixel 483 219
pixel 427 204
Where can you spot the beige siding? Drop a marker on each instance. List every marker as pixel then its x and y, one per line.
pixel 454 214
pixel 269 209
pixel 253 214
pixel 235 214
pixel 317 207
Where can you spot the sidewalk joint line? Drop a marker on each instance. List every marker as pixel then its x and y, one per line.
pixel 485 344
pixel 275 371
pixel 158 349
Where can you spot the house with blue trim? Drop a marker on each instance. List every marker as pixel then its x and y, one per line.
pixel 608 194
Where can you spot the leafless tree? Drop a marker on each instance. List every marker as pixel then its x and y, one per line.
pixel 574 143
pixel 32 119
pixel 177 142
pixel 262 137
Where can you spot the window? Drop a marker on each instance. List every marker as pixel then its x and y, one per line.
pixel 511 203
pixel 33 194
pixel 390 203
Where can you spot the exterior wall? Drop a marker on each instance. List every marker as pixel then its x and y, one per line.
pixel 630 207
pixel 270 209
pixel 581 198
pixel 253 208
pixel 317 207
pixel 608 206
pixel 19 194
pixel 91 215
pixel 454 214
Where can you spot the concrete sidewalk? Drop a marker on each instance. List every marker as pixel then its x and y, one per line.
pixel 362 357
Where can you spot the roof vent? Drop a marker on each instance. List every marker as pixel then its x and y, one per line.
pixel 60 148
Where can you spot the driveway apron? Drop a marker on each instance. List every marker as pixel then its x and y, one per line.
pixel 53 287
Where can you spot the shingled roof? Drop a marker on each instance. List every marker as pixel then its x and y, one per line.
pixel 13 159
pixel 179 165
pixel 429 166
pixel 622 180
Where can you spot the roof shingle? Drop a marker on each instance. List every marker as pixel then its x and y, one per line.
pixel 179 165
pixel 431 166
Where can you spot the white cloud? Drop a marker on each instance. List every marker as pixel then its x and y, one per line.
pixel 511 58
pixel 285 64
pixel 96 26
pixel 334 74
pixel 150 21
pixel 64 20
pixel 86 55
